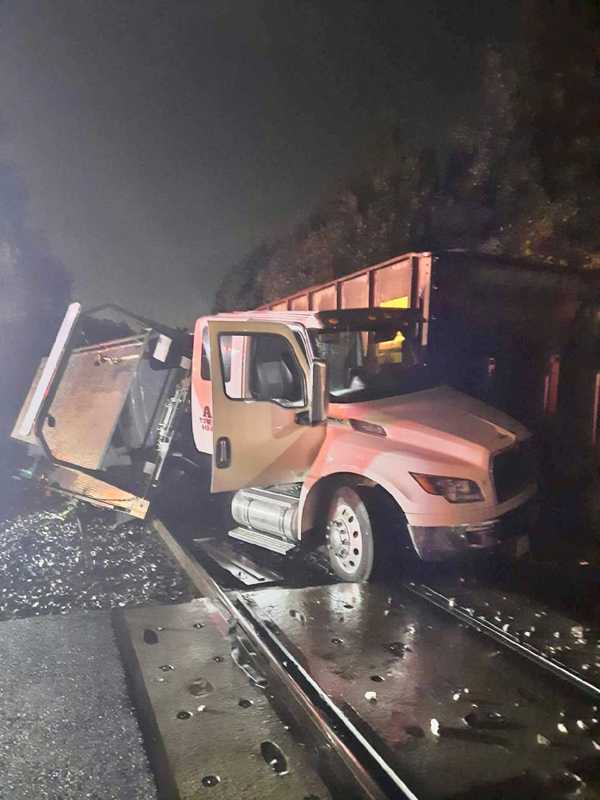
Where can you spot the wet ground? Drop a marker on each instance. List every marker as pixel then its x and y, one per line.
pixel 452 714
pixel 68 730
pixel 67 727
pixel 56 559
pixel 567 580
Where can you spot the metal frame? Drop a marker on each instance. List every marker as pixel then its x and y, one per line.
pixel 136 505
pixel 337 282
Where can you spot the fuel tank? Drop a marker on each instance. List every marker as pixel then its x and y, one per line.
pixel 267 511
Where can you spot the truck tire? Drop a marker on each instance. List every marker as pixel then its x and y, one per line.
pixel 350 540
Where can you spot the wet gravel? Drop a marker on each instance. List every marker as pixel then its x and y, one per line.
pixel 58 560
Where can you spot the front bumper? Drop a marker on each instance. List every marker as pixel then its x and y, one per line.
pixel 442 542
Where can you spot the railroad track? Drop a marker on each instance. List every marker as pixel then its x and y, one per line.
pixel 416 692
pixel 552 640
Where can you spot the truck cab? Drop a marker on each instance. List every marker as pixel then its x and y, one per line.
pixel 332 428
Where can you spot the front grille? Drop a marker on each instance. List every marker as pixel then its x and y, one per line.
pixel 514 469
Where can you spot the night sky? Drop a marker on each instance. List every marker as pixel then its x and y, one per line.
pixel 160 141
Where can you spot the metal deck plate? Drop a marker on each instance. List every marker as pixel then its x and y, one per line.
pixel 452 713
pixel 210 732
pixel 89 400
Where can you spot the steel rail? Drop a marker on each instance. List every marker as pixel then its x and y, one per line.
pixel 362 759
pixel 374 779
pixel 487 628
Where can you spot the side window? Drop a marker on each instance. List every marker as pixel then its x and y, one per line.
pixel 205 355
pixel 227 346
pixel 268 369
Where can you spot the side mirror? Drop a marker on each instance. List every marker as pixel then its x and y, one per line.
pixel 319 397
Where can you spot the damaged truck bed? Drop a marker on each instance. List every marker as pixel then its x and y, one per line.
pixel 102 410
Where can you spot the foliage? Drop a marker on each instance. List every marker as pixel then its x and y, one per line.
pixel 520 178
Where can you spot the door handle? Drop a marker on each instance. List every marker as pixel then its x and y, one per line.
pixel 223 452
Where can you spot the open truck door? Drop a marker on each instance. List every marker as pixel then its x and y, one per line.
pixel 100 415
pixel 269 405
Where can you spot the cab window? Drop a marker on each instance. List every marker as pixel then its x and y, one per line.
pixel 270 371
pixel 205 355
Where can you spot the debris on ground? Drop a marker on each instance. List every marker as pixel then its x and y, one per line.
pixel 55 561
pixel 577 631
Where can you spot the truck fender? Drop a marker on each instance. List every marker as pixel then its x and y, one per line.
pixel 315 494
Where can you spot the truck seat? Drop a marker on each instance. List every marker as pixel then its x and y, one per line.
pixel 274 380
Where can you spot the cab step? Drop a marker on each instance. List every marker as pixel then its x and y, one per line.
pixel 267 540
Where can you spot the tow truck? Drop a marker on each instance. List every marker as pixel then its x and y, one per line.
pixel 330 428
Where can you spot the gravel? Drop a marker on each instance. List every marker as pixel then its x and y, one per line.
pixel 59 560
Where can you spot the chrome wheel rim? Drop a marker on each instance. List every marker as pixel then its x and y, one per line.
pixel 345 539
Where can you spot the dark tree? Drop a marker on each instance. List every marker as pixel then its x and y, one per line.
pixel 520 177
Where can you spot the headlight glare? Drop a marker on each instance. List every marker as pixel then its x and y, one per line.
pixel 455 490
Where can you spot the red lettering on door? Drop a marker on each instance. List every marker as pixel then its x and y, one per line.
pixel 206 419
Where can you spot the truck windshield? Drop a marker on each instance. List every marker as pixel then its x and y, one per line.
pixel 371 364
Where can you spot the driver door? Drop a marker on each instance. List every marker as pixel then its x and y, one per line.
pixel 260 380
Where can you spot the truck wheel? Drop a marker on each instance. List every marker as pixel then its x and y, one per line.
pixel 350 545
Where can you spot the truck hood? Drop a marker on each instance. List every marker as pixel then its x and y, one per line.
pixel 428 418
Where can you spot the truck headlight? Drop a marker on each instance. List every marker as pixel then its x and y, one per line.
pixel 455 490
